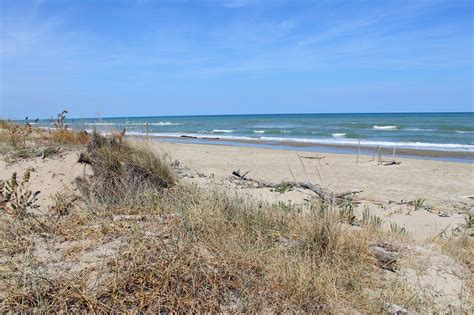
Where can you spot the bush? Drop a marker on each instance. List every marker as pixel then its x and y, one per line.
pixel 122 171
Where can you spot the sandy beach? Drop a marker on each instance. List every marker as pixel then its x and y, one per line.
pixel 236 157
pixel 415 206
pixel 372 151
pixel 446 187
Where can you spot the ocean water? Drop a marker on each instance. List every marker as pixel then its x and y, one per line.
pixel 429 131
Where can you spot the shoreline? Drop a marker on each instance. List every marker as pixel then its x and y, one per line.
pixel 386 152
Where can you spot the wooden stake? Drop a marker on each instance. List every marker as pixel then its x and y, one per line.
pixel 379 158
pixel 358 152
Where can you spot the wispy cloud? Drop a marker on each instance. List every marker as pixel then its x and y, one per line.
pixel 121 44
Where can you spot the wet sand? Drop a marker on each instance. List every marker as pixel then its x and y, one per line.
pixel 386 152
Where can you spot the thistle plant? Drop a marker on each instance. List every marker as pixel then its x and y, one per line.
pixel 16 198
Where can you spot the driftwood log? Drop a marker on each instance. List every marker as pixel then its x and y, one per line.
pixel 313 157
pixel 386 256
pixel 392 163
pixel 317 189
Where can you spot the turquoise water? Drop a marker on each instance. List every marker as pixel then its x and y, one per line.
pixel 430 131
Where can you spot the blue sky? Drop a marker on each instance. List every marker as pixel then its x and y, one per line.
pixel 142 58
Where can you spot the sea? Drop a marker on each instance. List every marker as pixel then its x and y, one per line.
pixel 453 132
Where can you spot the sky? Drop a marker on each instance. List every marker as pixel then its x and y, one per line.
pixel 114 58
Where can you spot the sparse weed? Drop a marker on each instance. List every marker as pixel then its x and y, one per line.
pixel 369 219
pixel 59 123
pixel 289 207
pixel 17 199
pixel 64 136
pixel 418 203
pixel 284 187
pixel 183 249
pixel 62 203
pixel 346 210
pixel 366 215
pixel 376 222
pixel 397 229
pixel 19 142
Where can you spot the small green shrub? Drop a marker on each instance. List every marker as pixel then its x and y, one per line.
pixel 371 219
pixel 397 229
pixel 284 187
pixel 346 210
pixel 418 203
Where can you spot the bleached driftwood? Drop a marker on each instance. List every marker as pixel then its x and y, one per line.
pixel 386 257
pixel 317 189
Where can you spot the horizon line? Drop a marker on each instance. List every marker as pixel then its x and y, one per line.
pixel 261 114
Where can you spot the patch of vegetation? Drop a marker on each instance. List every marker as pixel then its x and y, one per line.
pixel 18 222
pixel 284 187
pixel 62 203
pixel 122 171
pixel 369 219
pixel 184 249
pixel 418 203
pixel 59 123
pixel 208 252
pixel 17 199
pixel 346 210
pixel 22 141
pixel 397 229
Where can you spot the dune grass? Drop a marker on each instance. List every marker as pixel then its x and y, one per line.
pixel 19 141
pixel 199 251
pixel 164 246
pixel 194 250
pixel 123 172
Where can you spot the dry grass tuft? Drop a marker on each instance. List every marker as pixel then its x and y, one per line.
pixel 69 137
pixel 22 141
pixel 209 252
pixel 122 171
pixel 4 124
pixel 461 248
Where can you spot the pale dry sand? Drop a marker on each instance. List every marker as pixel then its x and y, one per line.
pixel 448 187
pixel 49 176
